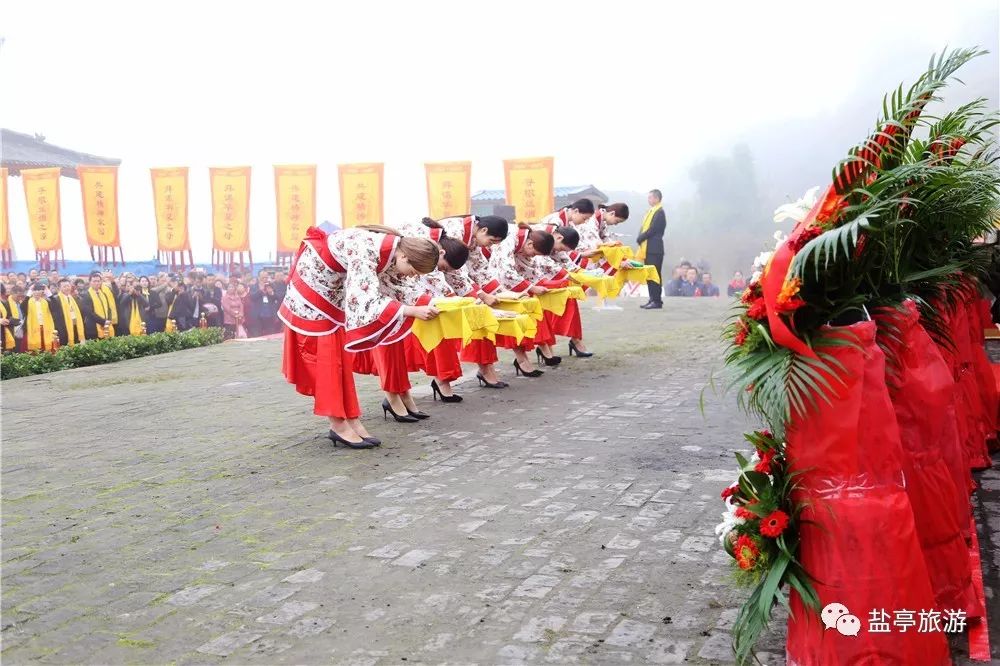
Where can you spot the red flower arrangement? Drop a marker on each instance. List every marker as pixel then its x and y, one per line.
pixel 774 524
pixel 742 331
pixel 757 309
pixel 788 299
pixel 764 465
pixel 746 552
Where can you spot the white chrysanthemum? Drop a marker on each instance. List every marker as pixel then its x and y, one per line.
pixel 728 524
pixel 797 211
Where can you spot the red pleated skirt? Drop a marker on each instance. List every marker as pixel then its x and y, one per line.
pixel 388 363
pixel 319 367
pixel 482 352
pixel 509 342
pixel 545 334
pixel 568 324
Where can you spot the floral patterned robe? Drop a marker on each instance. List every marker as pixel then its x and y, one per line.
pixel 511 270
pixel 445 283
pixel 347 280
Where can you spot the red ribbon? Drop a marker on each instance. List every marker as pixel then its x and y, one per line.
pixel 777 270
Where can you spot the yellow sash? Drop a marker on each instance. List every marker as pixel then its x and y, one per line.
pixel 104 308
pixel 8 337
pixel 171 325
pixel 135 320
pixel 74 327
pixel 646 221
pixel 13 308
pixel 39 334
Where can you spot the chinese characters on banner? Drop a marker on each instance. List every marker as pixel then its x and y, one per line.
pixel 529 187
pixel 41 194
pixel 230 214
pixel 6 250
pixel 295 191
pixel 99 185
pixel 170 203
pixel 448 188
pixel 360 194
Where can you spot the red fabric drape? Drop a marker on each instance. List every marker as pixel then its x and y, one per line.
pixel 922 400
pixel 969 403
pixel 858 538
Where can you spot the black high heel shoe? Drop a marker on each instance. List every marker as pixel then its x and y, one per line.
pixel 444 398
pixel 534 373
pixel 401 418
pixel 483 382
pixel 582 354
pixel 548 360
pixel 419 415
pixel 374 440
pixel 363 444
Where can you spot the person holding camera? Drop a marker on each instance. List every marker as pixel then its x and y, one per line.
pixel 133 306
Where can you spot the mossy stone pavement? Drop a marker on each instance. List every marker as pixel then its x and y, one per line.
pixel 187 509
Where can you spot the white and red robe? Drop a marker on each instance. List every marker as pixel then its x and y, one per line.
pixel 337 302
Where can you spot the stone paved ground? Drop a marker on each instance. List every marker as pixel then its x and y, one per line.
pixel 189 511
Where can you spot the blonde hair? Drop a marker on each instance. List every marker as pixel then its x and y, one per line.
pixel 422 253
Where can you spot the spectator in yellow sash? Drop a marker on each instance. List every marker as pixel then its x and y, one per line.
pixel 9 320
pixel 67 314
pixel 38 320
pixel 100 313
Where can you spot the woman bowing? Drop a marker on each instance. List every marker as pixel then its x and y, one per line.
pixel 513 270
pixel 336 302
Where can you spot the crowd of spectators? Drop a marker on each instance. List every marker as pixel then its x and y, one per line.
pixel 692 281
pixel 243 304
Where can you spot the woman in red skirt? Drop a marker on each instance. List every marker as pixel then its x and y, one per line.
pixel 337 302
pixel 514 271
pixel 392 363
pixel 481 235
pixel 593 232
pixel 555 269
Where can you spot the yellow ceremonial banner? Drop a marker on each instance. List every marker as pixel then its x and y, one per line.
pixel 41 193
pixel 99 185
pixel 230 208
pixel 360 194
pixel 295 191
pixel 170 203
pixel 449 188
pixel 529 187
pixel 4 212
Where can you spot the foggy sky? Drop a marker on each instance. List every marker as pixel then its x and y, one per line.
pixel 625 95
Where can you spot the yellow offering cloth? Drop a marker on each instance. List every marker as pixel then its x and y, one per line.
pixel 636 275
pixel 554 300
pixel 615 254
pixel 460 319
pixel 603 285
pixel 529 306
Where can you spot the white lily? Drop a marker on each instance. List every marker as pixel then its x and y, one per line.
pixel 797 210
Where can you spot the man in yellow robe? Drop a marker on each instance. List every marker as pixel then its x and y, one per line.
pixel 67 314
pixel 38 324
pixel 100 311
